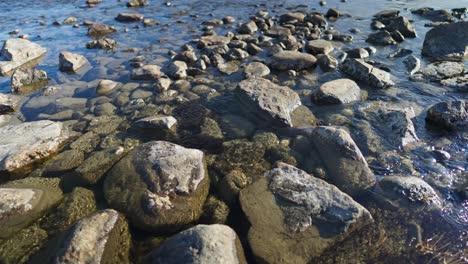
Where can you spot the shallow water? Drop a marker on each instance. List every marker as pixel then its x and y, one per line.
pixel 181 22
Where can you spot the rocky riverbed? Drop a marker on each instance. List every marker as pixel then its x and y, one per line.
pixel 233 131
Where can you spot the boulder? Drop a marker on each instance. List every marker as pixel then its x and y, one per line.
pixel 147 73
pixel 447 42
pixel 160 186
pixel 360 70
pixel 24 201
pixel 319 46
pixel 71 62
pixel 443 70
pixel 270 102
pixel 341 91
pixel 295 216
pixel 401 24
pixel 24 144
pixel 9 103
pixel 200 244
pixel 25 80
pixel 17 52
pixel 327 62
pixel 256 69
pixel 452 115
pixel 292 60
pixel 100 30
pixel 177 70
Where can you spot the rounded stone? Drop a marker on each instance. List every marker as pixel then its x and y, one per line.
pixel 341 91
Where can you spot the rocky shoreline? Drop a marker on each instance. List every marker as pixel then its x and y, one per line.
pixel 272 138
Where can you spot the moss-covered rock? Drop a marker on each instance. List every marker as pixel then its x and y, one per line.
pixel 64 162
pixel 86 143
pixel 214 211
pixel 230 186
pixel 18 248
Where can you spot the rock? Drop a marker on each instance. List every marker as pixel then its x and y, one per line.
pixel 230 186
pixel 452 115
pixel 400 24
pixel 25 80
pixel 327 62
pixel 377 25
pixel 20 247
pixel 346 166
pixel 177 70
pixel 212 41
pixel 229 67
pixel 256 69
pixel 248 28
pixel 397 36
pixel 63 162
pixel 400 53
pixel 228 20
pixel 341 91
pixel 9 103
pixel 291 17
pixel 17 52
pixel 200 244
pixel 147 73
pixel 268 101
pixel 434 15
pixel 70 20
pixel 443 70
pixel 332 12
pixel 319 46
pixel 71 62
pixel 237 54
pixel 460 83
pixel 24 201
pixel 126 17
pixel 292 60
pixel 413 64
pixel 160 186
pixel 93 2
pixel 157 122
pixel 100 30
pixel 288 207
pixel 359 53
pixel 382 38
pixel 100 238
pixel 24 144
pixel 387 13
pixel 103 43
pixel 278 31
pixel 106 87
pixel 437 47
pixel 360 70
pixel 137 3
pixel 408 191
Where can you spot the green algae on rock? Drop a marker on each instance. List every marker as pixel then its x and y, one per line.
pixel 18 248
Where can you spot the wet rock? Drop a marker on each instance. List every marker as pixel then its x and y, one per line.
pixel 437 47
pixel 103 43
pixel 360 70
pixel 397 36
pixel 21 246
pixel 248 28
pixel 126 17
pixel 382 38
pixel 17 52
pixel 288 207
pixel 237 54
pixel 434 15
pixel 64 162
pixel 413 64
pixel 332 13
pixel 292 60
pixel 443 70
pixel 268 101
pixel 400 24
pixel 147 73
pixel 86 143
pixel 235 126
pixel 26 80
pixel 157 122
pixel 319 47
pixel 408 191
pixel 230 186
pixel 24 201
pixel 377 25
pixel 200 244
pixel 389 13
pixel 9 103
pixel 278 31
pixel 359 53
pixel 24 144
pixel 229 67
pixel 100 238
pixel 137 3
pixel 71 62
pixel 106 87
pixel 93 2
pixel 460 83
pixel 327 62
pixel 70 20
pixel 341 91
pixel 160 186
pixel 228 20
pixel 292 17
pixel 206 41
pixel 452 115
pixel 177 70
pixel 215 211
pixel 400 53
pixel 256 69
pixel 100 30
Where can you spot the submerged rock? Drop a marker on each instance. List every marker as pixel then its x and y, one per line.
pixel 71 62
pixel 269 101
pixel 362 71
pixel 447 42
pixel 157 122
pixel 160 186
pixel 26 80
pixel 9 103
pixel 147 73
pixel 17 52
pixel 288 207
pixel 341 91
pixel 292 60
pixel 24 144
pixel 452 115
pixel 200 244
pixel 106 87
pixel 413 64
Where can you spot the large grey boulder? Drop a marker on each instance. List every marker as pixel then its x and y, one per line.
pixel 292 60
pixel 26 80
pixel 452 115
pixel 268 101
pixel 360 70
pixel 17 52
pixel 341 91
pixel 71 62
pixel 443 70
pixel 8 103
pixel 200 244
pixel 447 42
pixel 159 186
pixel 24 144
pixel 100 238
pixel 295 216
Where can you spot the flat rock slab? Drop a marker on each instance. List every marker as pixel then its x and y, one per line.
pixel 292 60
pixel 295 216
pixel 71 62
pixel 160 186
pixel 447 42
pixel 17 52
pixel 200 244
pixel 360 70
pixel 269 101
pixel 21 145
pixel 341 91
